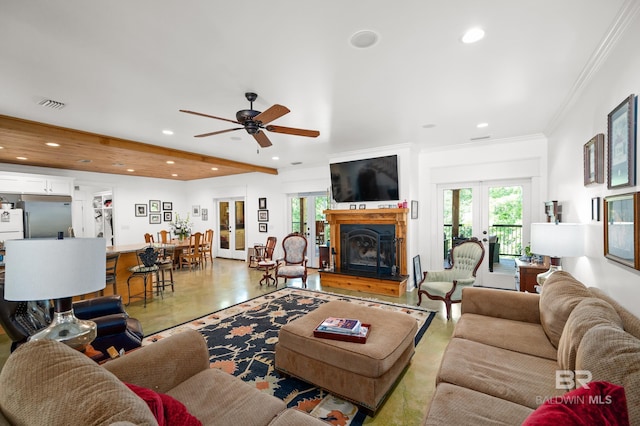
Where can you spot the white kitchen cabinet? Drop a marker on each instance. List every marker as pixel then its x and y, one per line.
pixel 22 183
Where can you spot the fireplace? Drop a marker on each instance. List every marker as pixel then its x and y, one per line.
pixel 370 249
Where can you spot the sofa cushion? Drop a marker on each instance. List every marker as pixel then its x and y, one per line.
pixel 519 336
pixel 560 294
pixel 216 397
pixel 166 409
pixel 295 417
pixel 455 405
pixel 599 403
pixel 617 362
pixel 631 323
pixel 513 376
pixel 46 382
pixel 587 314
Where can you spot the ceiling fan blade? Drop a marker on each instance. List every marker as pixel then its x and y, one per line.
pixel 204 135
pixel 293 131
pixel 262 139
pixel 272 113
pixel 209 116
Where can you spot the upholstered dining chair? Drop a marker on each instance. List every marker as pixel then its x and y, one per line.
pixel 447 285
pixel 294 262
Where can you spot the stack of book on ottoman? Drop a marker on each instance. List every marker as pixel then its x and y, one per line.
pixel 345 329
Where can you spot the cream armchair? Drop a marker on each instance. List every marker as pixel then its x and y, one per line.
pixel 294 262
pixel 447 285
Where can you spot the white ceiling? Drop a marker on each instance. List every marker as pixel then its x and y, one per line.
pixel 125 68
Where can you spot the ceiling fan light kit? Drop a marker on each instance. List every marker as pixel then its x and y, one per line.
pixel 254 122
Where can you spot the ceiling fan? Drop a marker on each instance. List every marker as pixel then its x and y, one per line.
pixel 255 122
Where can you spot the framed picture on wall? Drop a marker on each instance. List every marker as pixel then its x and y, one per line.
pixel 594 160
pixel 414 209
pixel 195 211
pixel 167 205
pixel 262 227
pixel 154 218
pixel 141 210
pixel 263 215
pixel 204 214
pixel 621 229
pixel 168 216
pixel 154 206
pixel 262 203
pixel 621 133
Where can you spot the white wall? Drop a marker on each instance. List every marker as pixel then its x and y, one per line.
pixel 617 78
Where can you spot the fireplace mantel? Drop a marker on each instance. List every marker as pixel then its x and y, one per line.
pixel 397 217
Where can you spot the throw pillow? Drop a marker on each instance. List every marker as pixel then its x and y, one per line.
pixel 47 382
pixel 166 409
pixel 598 403
pixel 587 314
pixel 613 355
pixel 560 294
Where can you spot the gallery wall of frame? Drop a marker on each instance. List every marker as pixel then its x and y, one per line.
pixel 156 211
pixel 621 212
pixel 263 215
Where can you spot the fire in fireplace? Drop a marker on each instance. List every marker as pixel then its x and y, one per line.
pixel 370 249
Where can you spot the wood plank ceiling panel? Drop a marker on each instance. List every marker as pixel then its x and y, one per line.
pixel 92 152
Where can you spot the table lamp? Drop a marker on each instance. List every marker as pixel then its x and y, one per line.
pixel 556 240
pixel 41 269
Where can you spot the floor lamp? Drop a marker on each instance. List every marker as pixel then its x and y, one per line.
pixel 556 240
pixel 42 269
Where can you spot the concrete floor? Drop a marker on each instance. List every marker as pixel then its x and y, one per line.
pixel 228 282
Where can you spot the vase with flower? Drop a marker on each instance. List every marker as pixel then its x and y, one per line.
pixel 181 228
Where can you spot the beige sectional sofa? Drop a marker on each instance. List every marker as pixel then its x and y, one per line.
pixel 48 383
pixel 507 348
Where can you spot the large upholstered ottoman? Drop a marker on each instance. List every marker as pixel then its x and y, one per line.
pixel 361 373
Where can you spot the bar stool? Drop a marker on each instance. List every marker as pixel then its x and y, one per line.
pixel 112 265
pixel 145 269
pixel 165 264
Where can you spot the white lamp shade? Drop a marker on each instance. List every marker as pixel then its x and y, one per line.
pixel 40 269
pixel 557 240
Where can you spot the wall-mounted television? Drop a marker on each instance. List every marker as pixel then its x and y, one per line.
pixel 372 179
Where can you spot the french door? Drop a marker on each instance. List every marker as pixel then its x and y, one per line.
pixel 231 235
pixel 495 212
pixel 307 218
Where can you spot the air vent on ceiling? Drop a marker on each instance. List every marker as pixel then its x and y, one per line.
pixel 50 103
pixel 479 138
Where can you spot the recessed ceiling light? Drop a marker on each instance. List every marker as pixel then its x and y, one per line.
pixel 275 158
pixel 167 132
pixel 130 170
pixel 174 174
pixel 52 144
pixel 472 35
pixel 429 126
pixel 1 147
pixel 171 162
pixel 21 158
pixel 214 169
pixel 363 39
pixel 482 125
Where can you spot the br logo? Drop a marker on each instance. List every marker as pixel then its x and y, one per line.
pixel 569 379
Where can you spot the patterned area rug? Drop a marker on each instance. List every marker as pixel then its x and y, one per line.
pixel 242 338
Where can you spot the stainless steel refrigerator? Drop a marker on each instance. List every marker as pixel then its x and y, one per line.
pixel 45 215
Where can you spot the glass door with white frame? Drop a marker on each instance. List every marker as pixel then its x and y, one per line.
pixel 231 236
pixel 496 213
pixel 307 218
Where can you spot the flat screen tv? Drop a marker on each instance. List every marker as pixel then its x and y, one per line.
pixel 373 179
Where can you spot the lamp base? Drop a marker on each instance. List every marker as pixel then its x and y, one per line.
pixel 68 329
pixel 555 266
